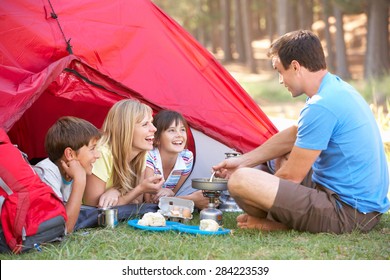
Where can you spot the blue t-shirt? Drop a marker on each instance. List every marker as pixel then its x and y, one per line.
pixel 352 162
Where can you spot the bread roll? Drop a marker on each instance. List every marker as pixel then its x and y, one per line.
pixel 208 225
pixel 152 219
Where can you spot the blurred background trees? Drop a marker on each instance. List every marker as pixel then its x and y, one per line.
pixel 355 33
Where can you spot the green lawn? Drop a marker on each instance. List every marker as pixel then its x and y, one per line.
pixel 126 243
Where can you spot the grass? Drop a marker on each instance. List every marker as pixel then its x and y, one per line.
pixel 374 91
pixel 127 243
pixel 269 91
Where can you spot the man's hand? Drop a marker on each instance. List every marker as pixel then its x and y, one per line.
pixel 225 168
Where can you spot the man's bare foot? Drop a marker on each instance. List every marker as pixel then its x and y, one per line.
pixel 242 218
pixel 250 222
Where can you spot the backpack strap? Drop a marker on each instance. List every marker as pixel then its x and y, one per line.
pixel 7 189
pixel 1 203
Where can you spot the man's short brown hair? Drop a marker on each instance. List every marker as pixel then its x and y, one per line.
pixel 303 46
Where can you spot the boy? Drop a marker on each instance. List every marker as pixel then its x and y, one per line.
pixel 71 147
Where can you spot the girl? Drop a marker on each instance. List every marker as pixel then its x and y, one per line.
pixel 118 175
pixel 171 158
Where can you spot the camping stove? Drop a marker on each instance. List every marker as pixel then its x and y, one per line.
pixel 211 189
pixel 211 212
pixel 228 204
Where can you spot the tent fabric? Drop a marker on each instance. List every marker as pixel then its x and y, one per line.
pixel 119 49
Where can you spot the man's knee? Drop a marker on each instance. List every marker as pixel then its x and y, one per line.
pixel 237 181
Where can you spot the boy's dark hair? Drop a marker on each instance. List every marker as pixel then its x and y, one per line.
pixel 163 119
pixel 68 132
pixel 303 46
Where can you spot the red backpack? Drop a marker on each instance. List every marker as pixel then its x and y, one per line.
pixel 30 212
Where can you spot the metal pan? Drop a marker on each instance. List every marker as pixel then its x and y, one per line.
pixel 217 184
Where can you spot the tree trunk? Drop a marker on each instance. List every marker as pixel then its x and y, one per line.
pixel 377 54
pixel 286 16
pixel 201 27
pixel 327 10
pixel 215 17
pixel 305 14
pixel 256 14
pixel 270 20
pixel 226 40
pixel 282 14
pixel 251 63
pixel 341 53
pixel 239 31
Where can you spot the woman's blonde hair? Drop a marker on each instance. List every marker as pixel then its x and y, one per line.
pixel 118 134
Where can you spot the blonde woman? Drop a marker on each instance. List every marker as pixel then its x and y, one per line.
pixel 118 175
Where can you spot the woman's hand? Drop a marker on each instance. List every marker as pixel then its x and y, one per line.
pixel 109 198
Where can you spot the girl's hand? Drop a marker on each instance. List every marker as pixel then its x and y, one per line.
pixel 199 199
pixel 161 193
pixel 147 198
pixel 109 198
pixel 152 184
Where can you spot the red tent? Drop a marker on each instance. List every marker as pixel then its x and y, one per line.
pixel 79 57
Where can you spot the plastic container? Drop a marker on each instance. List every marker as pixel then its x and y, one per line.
pixel 176 209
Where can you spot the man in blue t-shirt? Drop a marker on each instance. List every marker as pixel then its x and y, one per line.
pixel 336 137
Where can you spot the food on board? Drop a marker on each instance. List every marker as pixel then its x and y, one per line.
pixel 208 225
pixel 152 219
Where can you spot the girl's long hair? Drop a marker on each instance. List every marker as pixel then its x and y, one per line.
pixel 118 134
